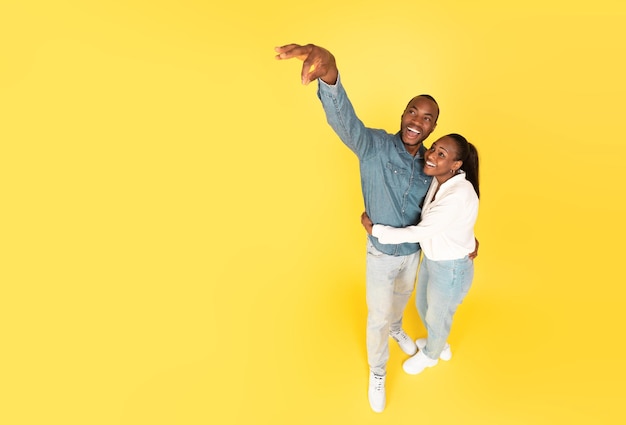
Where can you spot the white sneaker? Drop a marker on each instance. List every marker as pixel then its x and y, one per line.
pixel 446 354
pixel 406 344
pixel 418 363
pixel 376 392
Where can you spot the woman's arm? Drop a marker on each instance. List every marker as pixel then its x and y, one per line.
pixel 436 220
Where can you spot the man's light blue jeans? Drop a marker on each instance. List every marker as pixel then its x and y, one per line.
pixel 441 287
pixel 389 283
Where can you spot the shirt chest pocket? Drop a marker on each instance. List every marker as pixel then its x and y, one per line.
pixel 396 175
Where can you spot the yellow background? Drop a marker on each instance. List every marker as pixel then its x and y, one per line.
pixel 180 235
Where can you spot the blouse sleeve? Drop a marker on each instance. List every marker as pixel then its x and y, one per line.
pixel 435 221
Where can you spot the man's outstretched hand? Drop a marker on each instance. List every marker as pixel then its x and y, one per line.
pixel 317 62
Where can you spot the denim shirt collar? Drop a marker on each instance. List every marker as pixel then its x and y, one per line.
pixel 402 150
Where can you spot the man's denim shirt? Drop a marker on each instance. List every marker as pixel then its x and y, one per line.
pixel 392 181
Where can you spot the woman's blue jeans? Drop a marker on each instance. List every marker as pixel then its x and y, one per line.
pixel 441 287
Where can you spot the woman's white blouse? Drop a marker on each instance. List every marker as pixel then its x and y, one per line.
pixel 446 229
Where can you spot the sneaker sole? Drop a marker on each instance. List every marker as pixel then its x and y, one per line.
pixel 409 365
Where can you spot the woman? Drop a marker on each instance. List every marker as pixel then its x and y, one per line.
pixel 446 235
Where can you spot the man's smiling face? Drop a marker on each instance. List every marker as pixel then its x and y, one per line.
pixel 418 120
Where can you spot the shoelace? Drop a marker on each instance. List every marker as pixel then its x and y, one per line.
pixel 379 383
pixel 401 336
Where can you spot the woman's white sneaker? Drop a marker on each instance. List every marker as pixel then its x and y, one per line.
pixel 418 363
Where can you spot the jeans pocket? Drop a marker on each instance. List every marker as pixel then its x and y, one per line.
pixel 372 250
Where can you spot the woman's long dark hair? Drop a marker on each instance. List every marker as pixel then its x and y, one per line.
pixel 469 155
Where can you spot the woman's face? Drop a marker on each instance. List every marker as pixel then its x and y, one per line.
pixel 440 160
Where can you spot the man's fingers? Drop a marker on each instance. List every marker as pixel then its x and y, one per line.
pixel 311 70
pixel 317 61
pixel 290 51
pixel 282 50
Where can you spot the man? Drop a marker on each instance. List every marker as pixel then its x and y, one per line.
pixel 393 185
